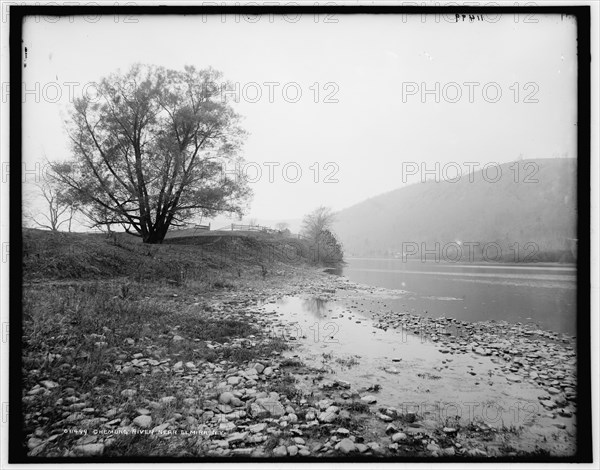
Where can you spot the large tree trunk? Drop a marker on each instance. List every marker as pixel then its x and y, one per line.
pixel 157 235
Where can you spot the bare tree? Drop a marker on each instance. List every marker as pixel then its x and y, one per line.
pixel 315 223
pixel 59 207
pixel 282 226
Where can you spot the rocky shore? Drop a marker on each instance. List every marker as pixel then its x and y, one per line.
pixel 170 392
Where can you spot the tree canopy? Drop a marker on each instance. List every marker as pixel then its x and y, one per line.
pixel 150 151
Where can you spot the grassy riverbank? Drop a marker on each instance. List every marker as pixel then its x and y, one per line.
pixel 134 350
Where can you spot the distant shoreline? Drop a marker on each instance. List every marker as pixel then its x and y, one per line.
pixel 529 265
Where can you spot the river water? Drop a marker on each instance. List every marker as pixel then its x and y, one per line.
pixel 539 294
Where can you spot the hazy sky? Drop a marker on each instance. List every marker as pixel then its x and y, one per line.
pixel 371 69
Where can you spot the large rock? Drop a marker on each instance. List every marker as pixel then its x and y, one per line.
pixel 143 421
pixel 280 451
pixel 274 407
pixel 375 447
pixel 168 400
pixel 370 399
pixel 237 437
pixel 34 442
pixel 399 436
pixel 257 411
pixel 385 418
pixel 90 450
pixel 227 426
pixel 326 417
pixel 227 398
pixel 49 384
pixel 548 404
pixel 347 446
pixel 391 429
pixel 324 403
pixel 256 428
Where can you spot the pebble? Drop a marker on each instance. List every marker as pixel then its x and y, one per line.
pixel 237 437
pixel 49 384
pixel 34 442
pixel 280 451
pixel 228 426
pixel 549 404
pixel 391 429
pixel 256 428
pixel 433 447
pixel 226 397
pixel 370 399
pixel 143 421
pixel 385 418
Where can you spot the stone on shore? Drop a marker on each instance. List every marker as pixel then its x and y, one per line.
pixel 347 446
pixel 143 421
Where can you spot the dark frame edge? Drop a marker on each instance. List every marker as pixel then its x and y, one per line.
pixel 16 452
pixel 584 371
pixel 584 453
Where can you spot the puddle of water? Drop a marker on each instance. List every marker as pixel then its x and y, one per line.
pixel 414 376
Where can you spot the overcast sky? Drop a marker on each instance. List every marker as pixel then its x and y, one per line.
pixel 369 116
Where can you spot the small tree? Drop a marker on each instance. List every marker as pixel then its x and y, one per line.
pixel 329 248
pixel 60 206
pixel 316 222
pixel 316 226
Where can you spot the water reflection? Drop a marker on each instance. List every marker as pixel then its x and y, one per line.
pixel 315 306
pixel 406 371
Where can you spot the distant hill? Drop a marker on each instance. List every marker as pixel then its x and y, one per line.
pixel 536 204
